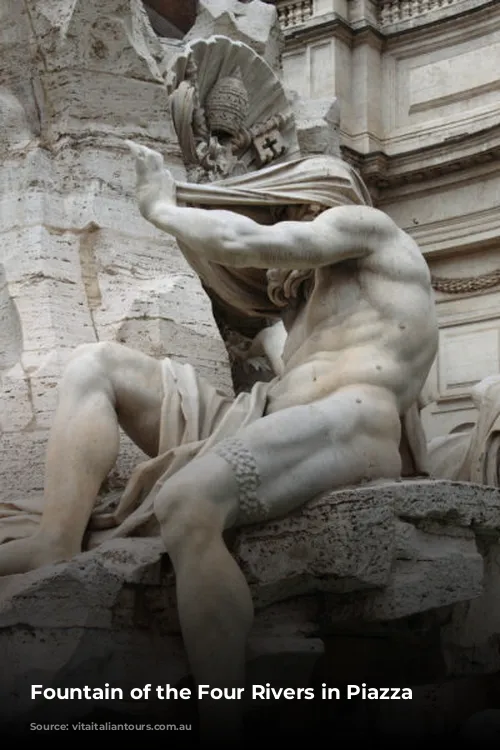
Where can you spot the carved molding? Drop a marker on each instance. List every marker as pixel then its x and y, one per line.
pixel 399 15
pixel 458 234
pixel 388 16
pixel 449 28
pixel 329 26
pixel 383 171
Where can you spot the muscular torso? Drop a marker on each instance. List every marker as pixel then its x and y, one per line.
pixel 368 322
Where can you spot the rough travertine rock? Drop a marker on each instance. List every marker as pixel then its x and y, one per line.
pixel 401 548
pixel 377 553
pixel 255 24
pixel 77 261
pixel 317 123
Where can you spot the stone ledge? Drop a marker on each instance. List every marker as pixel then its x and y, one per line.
pixel 354 540
pixel 380 552
pixel 417 537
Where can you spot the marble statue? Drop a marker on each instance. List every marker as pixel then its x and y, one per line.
pixel 232 116
pixel 352 293
pixel 473 455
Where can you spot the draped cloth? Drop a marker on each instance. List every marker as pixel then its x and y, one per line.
pixel 195 416
pixel 473 456
pixel 324 180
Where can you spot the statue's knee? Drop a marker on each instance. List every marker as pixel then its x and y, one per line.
pixel 87 366
pixel 185 519
pixel 171 505
pixel 100 351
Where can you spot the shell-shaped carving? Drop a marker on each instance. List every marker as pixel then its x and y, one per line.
pixel 205 63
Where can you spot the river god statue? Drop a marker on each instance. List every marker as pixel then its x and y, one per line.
pixel 352 292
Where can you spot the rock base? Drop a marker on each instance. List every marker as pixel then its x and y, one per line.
pixel 401 573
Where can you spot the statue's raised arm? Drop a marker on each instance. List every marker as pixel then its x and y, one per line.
pixel 354 294
pixel 356 297
pixel 231 239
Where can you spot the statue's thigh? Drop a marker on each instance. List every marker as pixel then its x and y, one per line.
pixel 279 462
pixel 284 459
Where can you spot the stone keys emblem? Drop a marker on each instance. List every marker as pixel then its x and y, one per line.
pixel 219 134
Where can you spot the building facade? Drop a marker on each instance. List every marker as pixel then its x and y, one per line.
pixel 417 83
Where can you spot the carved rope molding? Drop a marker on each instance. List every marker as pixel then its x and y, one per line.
pixel 468 284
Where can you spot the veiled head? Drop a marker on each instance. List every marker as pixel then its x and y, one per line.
pixel 285 285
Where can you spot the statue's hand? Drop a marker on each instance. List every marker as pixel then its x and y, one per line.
pixel 154 181
pixel 259 364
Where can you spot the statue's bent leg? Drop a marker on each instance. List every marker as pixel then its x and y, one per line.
pixel 103 385
pixel 264 471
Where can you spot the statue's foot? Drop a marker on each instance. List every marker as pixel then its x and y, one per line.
pixel 23 555
pixel 154 181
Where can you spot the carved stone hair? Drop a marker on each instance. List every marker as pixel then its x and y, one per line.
pixel 284 285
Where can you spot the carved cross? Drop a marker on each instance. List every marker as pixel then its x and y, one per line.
pixel 271 144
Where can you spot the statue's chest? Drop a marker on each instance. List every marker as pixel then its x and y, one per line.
pixel 337 291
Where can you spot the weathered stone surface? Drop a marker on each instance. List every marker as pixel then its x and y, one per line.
pixel 78 263
pixel 317 122
pixel 382 552
pixel 371 540
pixel 255 24
pixel 472 638
pixel 400 540
pixel 418 119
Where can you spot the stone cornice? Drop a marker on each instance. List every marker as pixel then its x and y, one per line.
pixel 448 237
pixel 463 26
pixel 436 18
pixel 464 152
pixel 333 25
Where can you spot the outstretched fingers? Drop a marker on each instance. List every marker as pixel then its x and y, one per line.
pixel 147 161
pixel 134 147
pixel 154 181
